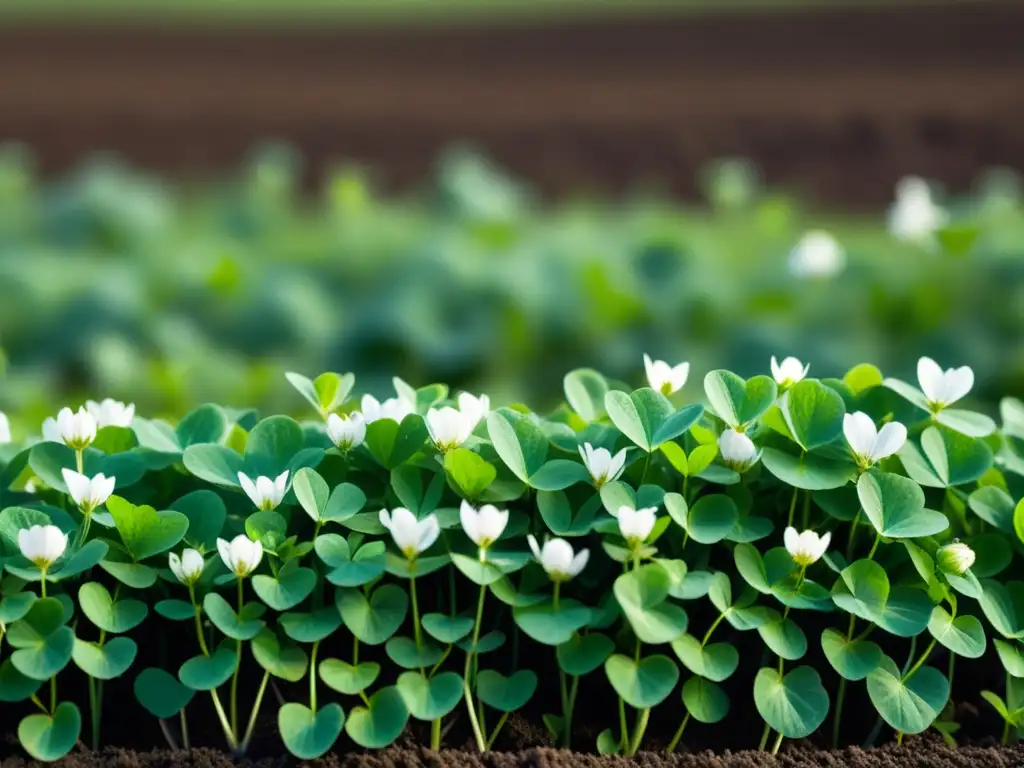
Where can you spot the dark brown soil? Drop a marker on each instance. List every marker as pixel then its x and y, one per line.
pixel 839 103
pixel 922 753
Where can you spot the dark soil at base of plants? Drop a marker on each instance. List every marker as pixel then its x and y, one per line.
pixel 916 753
pixel 839 103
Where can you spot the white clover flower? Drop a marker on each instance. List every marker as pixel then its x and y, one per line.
pixel 557 558
pixel 636 525
pixel 449 427
pixel 265 493
pixel 818 254
pixel 395 408
pixel 665 378
pixel 737 450
pixel 602 466
pixel 870 444
pixel 5 428
pixel 805 548
pixel 111 413
pixel 189 567
pixel 76 430
pixel 914 216
pixel 943 388
pixel 955 558
pixel 483 526
pixel 346 432
pixel 42 544
pixel 88 493
pixel 241 555
pixel 412 536
pixel 474 408
pixel 789 371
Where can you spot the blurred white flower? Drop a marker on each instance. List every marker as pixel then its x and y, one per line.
pixel 76 430
pixel 557 559
pixel 241 555
pixel 395 408
pixel 412 536
pixel 818 254
pixel 188 568
pixel 449 427
pixel 636 525
pixel 346 431
pixel 602 466
pixel 88 493
pixel 789 371
pixel 807 547
pixel 955 558
pixel 483 526
pixel 914 216
pixel 665 378
pixel 474 408
pixel 5 428
pixel 265 493
pixel 943 388
pixel 870 444
pixel 737 450
pixel 111 413
pixel 42 544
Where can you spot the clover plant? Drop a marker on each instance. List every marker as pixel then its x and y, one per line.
pixel 367 565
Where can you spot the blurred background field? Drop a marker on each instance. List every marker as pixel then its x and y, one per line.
pixel 187 211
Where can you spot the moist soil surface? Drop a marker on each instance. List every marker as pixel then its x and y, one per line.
pixel 838 103
pixel 917 753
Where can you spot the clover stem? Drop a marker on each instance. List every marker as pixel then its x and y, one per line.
pixel 841 694
pixel 554 599
pixel 197 612
pixel 686 487
pixel 167 734
pixel 647 466
pixel 415 613
pixel 256 707
pixel 714 625
pixel 567 720
pixel 42 582
pixel 874 547
pixel 853 534
pixel 355 651
pixel 38 703
pixel 899 737
pixel 764 737
pixel 435 735
pixel 53 694
pixel 778 743
pixel 679 734
pixel 638 730
pixel 312 676
pixel 950 671
pixel 94 713
pixel 79 460
pixel 920 661
pixel 238 668
pixel 481 743
pixel 184 729
pixel 792 508
pixel 623 729
pixel 497 729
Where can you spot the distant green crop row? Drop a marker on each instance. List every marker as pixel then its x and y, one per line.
pixel 119 284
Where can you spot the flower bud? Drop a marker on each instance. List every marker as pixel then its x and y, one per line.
pixel 955 558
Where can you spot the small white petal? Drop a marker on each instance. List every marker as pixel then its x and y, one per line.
pixel 891 438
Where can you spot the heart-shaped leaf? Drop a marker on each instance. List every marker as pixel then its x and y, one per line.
pixel 716 661
pixel 206 514
pixel 311 627
pixel 895 506
pixel 809 471
pixel 15 686
pixel 712 517
pixel 306 734
pixel 582 654
pixel 642 593
pixel 284 660
pixel 204 673
pixel 406 654
pixel 705 701
pixel 907 611
pixel 645 684
pixel 393 444
pixel 50 738
pixel 945 458
pixel 469 471
pixel 215 464
pixel 375 620
pixel 227 621
pixel 44 645
pixel 1003 606
pixel 648 418
pixel 430 698
pixel 160 693
pixel 552 626
pixel 585 390
pixel 99 607
pixel 784 638
pixel 346 678
pixel 144 531
pixel 862 589
pixel 345 502
pixel 506 694
pixel 272 445
pixel 738 402
pixel 794 704
pixel 814 413
pixel 559 474
pixel 379 724
pixel 286 590
pixel 853 659
pixel 963 635
pixel 909 704
pixel 447 629
pixel 107 661
pixel 520 443
pixel 312 492
pixel 14 607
